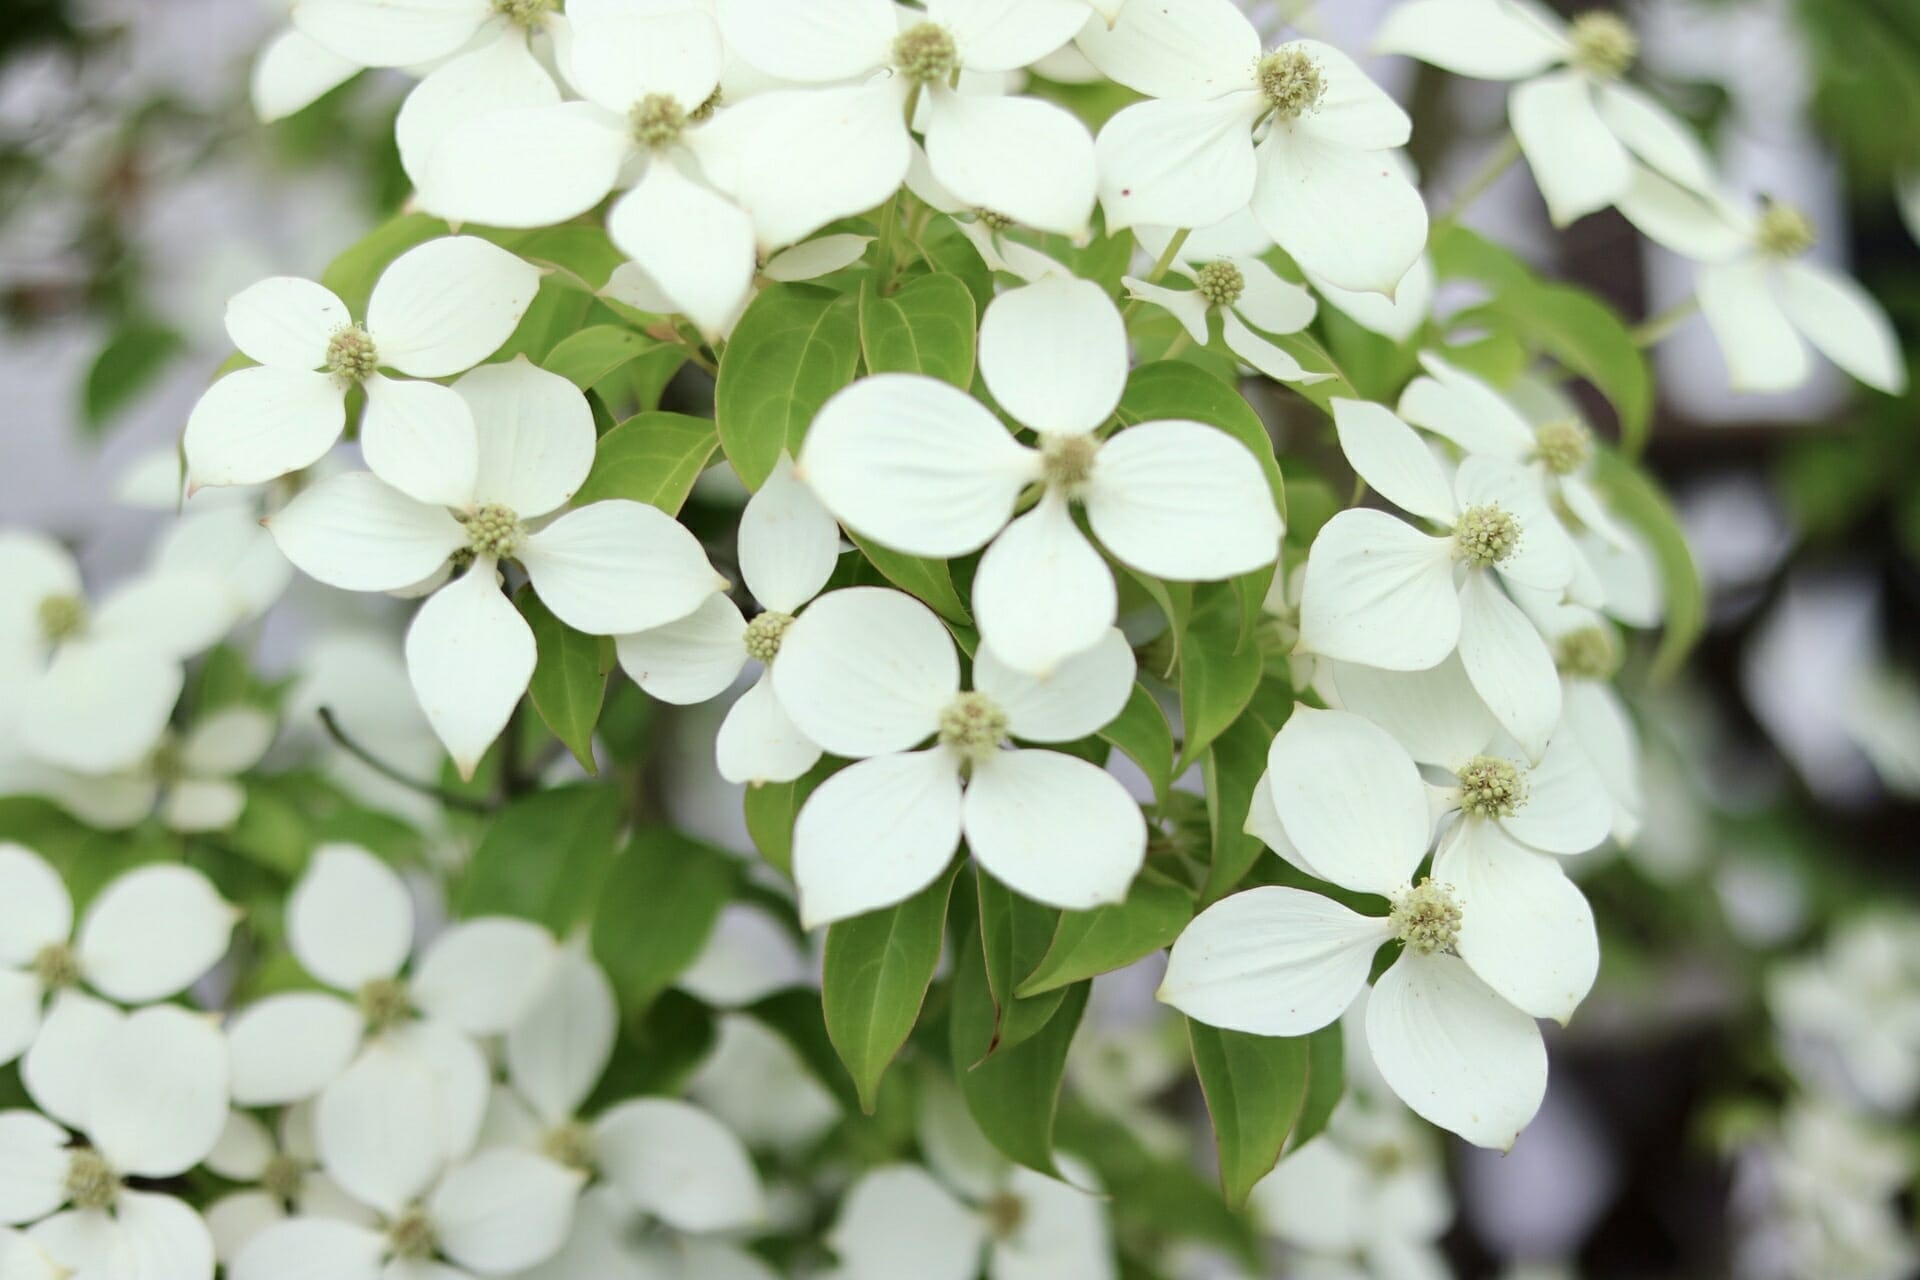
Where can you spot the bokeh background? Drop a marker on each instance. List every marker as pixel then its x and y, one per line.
pixel 1783 836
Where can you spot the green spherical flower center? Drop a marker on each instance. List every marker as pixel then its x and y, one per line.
pixel 657 121
pixel 56 966
pixel 1066 461
pixel 1426 917
pixel 1563 447
pixel 91 1182
pixel 925 54
pixel 526 13
pixel 1491 788
pixel 1291 82
pixel 384 1003
pixel 993 220
pixel 973 725
pixel 764 634
pixel 62 617
pixel 1784 232
pixel 1220 283
pixel 283 1178
pixel 570 1144
pixel 1485 536
pixel 1604 45
pixel 492 530
pixel 352 355
pixel 410 1236
pixel 1591 653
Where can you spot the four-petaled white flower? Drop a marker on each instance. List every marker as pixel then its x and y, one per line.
pixel 604 568
pixel 923 467
pixel 279 1169
pixel 1492 938
pixel 1299 134
pixel 870 674
pixel 1245 292
pixel 439 309
pixel 788 545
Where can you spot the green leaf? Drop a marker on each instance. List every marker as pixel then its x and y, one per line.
pixel 133 357
pixel 1640 502
pixel 544 857
pixel 585 357
pixel 930 581
pixel 874 979
pixel 1232 766
pixel 1255 1088
pixel 1175 389
pixel 1088 943
pixel 1013 1095
pixel 1015 933
pixel 568 683
pixel 1217 673
pixel 661 898
pixel 582 250
pixel 926 327
pixel 796 345
pixel 1142 732
pixel 652 457
pixel 771 808
pixel 1587 336
pixel 352 275
pixel 1326 1082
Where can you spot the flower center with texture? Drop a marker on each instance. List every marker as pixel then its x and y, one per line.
pixel 526 13
pixel 1485 536
pixel 493 531
pixel 1784 231
pixel 764 634
pixel 384 1003
pixel 1590 653
pixel 1005 1213
pixel 1067 460
pixel 91 1182
pixel 1563 447
pixel 570 1144
pixel 1604 45
pixel 973 725
pixel 657 121
pixel 1291 82
pixel 351 354
pixel 1220 283
pixel 925 54
pixel 1491 788
pixel 992 219
pixel 62 617
pixel 1426 917
pixel 56 966
pixel 410 1236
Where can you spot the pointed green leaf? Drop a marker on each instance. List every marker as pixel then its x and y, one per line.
pixel 1255 1088
pixel 796 345
pixel 1142 732
pixel 1089 943
pixel 586 357
pixel 1326 1083
pixel 1217 674
pixel 544 857
pixel 651 457
pixel 568 684
pixel 662 896
pixel 930 581
pixel 1015 933
pixel 927 326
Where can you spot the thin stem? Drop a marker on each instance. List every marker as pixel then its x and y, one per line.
pixel 690 343
pixel 453 800
pixel 1654 328
pixel 1489 173
pixel 1161 266
pixel 889 230
pixel 1180 343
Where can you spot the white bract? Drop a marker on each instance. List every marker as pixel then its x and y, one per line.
pixel 440 308
pixel 280 1167
pixel 405 33
pixel 1494 937
pixel 1381 593
pixel 871 674
pixel 923 467
pixel 787 545
pixel 604 568
pixel 1588 135
pixel 1299 134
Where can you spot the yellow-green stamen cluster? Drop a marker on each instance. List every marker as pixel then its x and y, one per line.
pixel 410 1236
pixel 764 634
pixel 526 13
pixel 384 1003
pixel 1067 460
pixel 1604 45
pixel 925 54
pixel 570 1144
pixel 1485 536
pixel 351 354
pixel 283 1178
pixel 1426 917
pixel 993 219
pixel 1005 1214
pixel 657 121
pixel 62 617
pixel 973 725
pixel 708 105
pixel 1491 788
pixel 56 967
pixel 1591 653
pixel 1291 82
pixel 1220 283
pixel 493 530
pixel 1784 232
pixel 1563 446
pixel 91 1181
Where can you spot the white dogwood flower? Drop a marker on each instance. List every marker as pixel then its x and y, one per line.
pixel 1492 940
pixel 988 231
pixel 1381 593
pixel 279 1168
pixel 870 674
pixel 805 157
pixel 1297 133
pixel 405 33
pixel 1246 294
pixel 1588 135
pixel 788 545
pixel 605 568
pixel 923 467
pixel 149 934
pixel 436 310
pixel 148 1093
